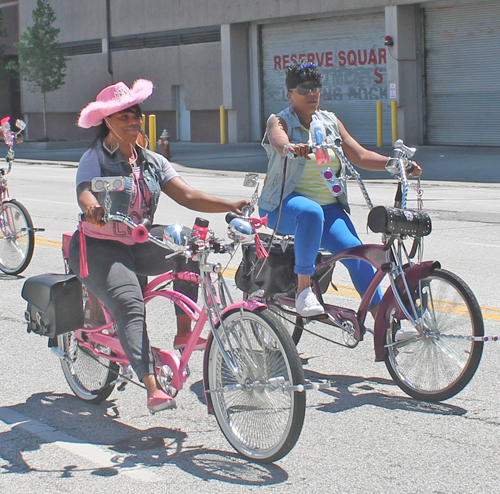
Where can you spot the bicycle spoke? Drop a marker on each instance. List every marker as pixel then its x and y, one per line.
pixel 16 238
pixel 261 416
pixel 442 360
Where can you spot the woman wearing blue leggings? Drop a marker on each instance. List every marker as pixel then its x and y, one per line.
pixel 309 211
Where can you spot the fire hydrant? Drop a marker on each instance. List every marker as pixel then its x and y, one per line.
pixel 165 144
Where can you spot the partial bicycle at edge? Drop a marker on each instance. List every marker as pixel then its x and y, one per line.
pixel 429 327
pixel 17 234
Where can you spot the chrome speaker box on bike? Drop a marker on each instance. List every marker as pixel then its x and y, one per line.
pixel 54 304
pixel 395 221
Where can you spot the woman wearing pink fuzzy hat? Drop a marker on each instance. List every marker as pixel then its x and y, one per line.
pixel 104 256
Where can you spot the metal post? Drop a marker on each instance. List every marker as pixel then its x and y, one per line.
pixel 152 132
pixel 380 138
pixel 222 124
pixel 394 120
pixel 143 125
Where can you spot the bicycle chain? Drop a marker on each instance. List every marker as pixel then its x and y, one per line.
pixel 312 332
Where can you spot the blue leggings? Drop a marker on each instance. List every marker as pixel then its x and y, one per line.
pixel 316 226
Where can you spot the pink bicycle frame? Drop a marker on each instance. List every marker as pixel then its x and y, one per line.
pixel 4 198
pixel 109 339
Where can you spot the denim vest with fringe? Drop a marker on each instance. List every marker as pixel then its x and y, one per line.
pixel 114 165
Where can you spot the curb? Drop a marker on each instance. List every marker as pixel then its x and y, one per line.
pixel 178 167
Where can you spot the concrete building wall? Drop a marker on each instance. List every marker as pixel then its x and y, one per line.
pixel 10 25
pixel 78 20
pixel 214 73
pixel 402 68
pixel 159 15
pixel 9 94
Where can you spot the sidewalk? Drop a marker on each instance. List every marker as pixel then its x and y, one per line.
pixel 441 163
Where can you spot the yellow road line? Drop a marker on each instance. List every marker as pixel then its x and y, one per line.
pixel 348 291
pixel 47 242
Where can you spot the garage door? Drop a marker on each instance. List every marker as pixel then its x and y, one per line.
pixel 352 58
pixel 463 74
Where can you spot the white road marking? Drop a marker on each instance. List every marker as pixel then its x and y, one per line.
pixel 75 446
pixel 482 245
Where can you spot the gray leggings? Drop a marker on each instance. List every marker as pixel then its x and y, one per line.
pixel 116 271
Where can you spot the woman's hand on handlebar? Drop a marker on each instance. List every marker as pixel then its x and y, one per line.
pixel 299 150
pixel 415 170
pixel 237 207
pixel 94 214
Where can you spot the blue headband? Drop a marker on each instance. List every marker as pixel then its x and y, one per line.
pixel 305 66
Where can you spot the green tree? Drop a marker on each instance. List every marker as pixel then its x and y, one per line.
pixel 41 65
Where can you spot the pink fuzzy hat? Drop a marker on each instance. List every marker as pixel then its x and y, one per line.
pixel 113 99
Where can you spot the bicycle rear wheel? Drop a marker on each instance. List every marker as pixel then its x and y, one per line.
pixel 17 238
pixel 440 362
pixel 90 377
pixel 257 414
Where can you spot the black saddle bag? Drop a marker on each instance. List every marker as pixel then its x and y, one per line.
pixel 274 274
pixel 54 304
pixel 395 221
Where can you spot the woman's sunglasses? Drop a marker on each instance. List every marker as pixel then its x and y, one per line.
pixel 305 90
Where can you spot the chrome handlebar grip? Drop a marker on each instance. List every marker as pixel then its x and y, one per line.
pixel 407 150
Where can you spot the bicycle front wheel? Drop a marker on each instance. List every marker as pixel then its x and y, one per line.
pixel 17 238
pixel 257 410
pixel 438 363
pixel 89 376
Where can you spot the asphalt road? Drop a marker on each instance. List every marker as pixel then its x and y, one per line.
pixel 471 164
pixel 364 435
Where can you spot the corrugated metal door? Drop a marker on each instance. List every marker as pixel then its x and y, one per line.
pixel 463 74
pixel 352 58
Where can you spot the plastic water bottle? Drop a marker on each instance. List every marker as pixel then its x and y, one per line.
pixel 317 131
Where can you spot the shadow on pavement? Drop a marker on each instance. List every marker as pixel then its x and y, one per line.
pixel 350 392
pixel 55 413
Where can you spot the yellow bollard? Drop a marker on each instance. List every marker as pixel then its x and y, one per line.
pixel 222 124
pixel 152 132
pixel 394 120
pixel 380 138
pixel 143 125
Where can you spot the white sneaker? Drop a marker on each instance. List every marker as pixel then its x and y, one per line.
pixel 405 334
pixel 307 304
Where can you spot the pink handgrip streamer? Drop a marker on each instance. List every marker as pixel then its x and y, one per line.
pixel 258 222
pixel 259 246
pixel 140 234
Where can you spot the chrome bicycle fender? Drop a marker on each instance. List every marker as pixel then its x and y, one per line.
pixel 382 322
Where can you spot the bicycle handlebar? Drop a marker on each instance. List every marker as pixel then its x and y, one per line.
pixel 140 231
pixel 10 138
pixel 141 234
pixel 400 152
pixel 399 164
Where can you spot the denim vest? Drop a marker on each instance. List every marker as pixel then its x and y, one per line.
pixel 271 192
pixel 116 166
